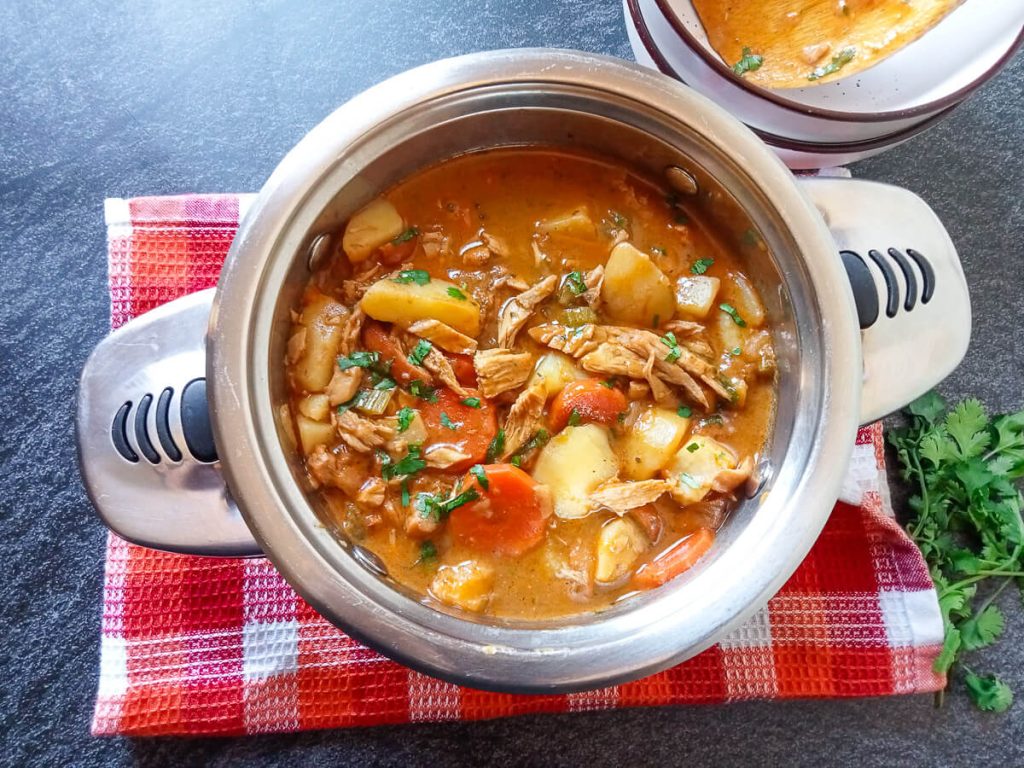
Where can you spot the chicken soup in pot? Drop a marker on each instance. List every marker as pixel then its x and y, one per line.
pixel 530 382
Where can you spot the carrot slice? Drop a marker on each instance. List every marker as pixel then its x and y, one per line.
pixel 590 399
pixel 463 367
pixel 510 517
pixel 377 339
pixel 678 558
pixel 468 429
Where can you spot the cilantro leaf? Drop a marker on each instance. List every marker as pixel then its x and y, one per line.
pixel 447 423
pixel 472 402
pixel 409 464
pixel 497 446
pixel 700 266
pixel 966 424
pixel 839 61
pixel 989 693
pixel 418 276
pixel 455 293
pixel 982 629
pixel 478 472
pixel 405 416
pixel 420 352
pixel 406 236
pixel 575 282
pixel 749 62
pixel 730 310
pixel 359 360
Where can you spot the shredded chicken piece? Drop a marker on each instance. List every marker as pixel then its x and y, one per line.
pixel 418 526
pixel 296 345
pixel 812 54
pixel 444 456
pixel 729 480
pixel 539 257
pixel 444 336
pixel 613 359
pixel 637 390
pixel 337 469
pixel 360 433
pixel 524 417
pixel 659 389
pixel 435 244
pixel 496 245
pixel 683 327
pixel 508 280
pixel 438 364
pixel 594 280
pixel 620 497
pixel 352 290
pixel 372 492
pixel 499 370
pixel 517 310
pixel 344 385
pixel 698 347
pixel 621 236
pixel 575 342
pixel 475 255
pixel 678 372
pixel 351 329
pixel 421 373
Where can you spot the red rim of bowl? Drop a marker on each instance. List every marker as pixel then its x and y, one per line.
pixel 715 63
pixel 783 142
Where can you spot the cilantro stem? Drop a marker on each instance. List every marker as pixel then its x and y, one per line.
pixel 993 596
pixel 978 577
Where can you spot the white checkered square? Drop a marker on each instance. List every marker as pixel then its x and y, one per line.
pixel 270 648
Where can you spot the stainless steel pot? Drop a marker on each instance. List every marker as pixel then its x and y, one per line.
pixel 857 336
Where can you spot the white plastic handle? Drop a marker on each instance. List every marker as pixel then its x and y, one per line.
pixel 923 322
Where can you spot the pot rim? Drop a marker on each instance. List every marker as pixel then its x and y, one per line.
pixel 646 635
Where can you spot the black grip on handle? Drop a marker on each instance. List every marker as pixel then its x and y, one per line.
pixel 195 421
pixel 865 294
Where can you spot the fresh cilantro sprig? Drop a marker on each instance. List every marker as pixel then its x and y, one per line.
pixel 967 523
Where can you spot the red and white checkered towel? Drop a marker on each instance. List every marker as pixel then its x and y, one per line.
pixel 222 646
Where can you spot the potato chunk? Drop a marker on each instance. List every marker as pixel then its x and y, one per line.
pixel 696 295
pixel 651 442
pixel 746 301
pixel 467 585
pixel 695 466
pixel 313 433
pixel 619 544
pixel 322 318
pixel 635 290
pixel 554 370
pixel 407 303
pixel 575 462
pixel 577 224
pixel 369 228
pixel 315 407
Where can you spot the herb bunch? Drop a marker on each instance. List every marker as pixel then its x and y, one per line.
pixel 967 523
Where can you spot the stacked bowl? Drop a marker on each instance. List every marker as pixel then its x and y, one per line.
pixel 848 118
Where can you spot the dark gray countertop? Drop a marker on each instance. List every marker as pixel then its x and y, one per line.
pixel 124 98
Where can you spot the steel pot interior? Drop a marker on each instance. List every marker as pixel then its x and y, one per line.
pixel 646 123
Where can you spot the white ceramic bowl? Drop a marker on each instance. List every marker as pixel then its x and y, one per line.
pixel 850 118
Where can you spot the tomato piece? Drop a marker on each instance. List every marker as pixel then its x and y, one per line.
pixel 591 400
pixel 680 557
pixel 377 339
pixel 392 254
pixel 463 367
pixel 509 518
pixel 474 428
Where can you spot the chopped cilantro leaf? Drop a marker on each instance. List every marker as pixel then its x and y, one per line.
pixel 385 383
pixel 448 423
pixel 693 447
pixel 409 464
pixel 478 472
pixel 405 491
pixel 669 340
pixel 687 479
pixel 359 360
pixel 418 389
pixel 730 310
pixel 574 418
pixel 700 266
pixel 684 412
pixel 428 552
pixel 406 236
pixel 418 276
pixel 575 282
pixel 610 383
pixel 735 351
pixel 748 63
pixel 429 505
pixel 497 446
pixel 472 402
pixel 420 352
pixel 455 293
pixel 619 220
pixel 839 61
pixel 405 416
pixel 517 460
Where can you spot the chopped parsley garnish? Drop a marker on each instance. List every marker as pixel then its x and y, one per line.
pixel 735 351
pixel 409 464
pixel 385 384
pixel 448 423
pixel 839 61
pixel 619 220
pixel 429 505
pixel 748 63
pixel 428 552
pixel 405 237
pixel 687 479
pixel 610 383
pixel 497 446
pixel 405 416
pixel 418 276
pixel 418 389
pixel 713 420
pixel 574 418
pixel 472 402
pixel 539 440
pixel 516 461
pixel 700 266
pixel 478 472
pixel 405 492
pixel 669 340
pixel 359 360
pixel 420 352
pixel 455 293
pixel 575 282
pixel 683 412
pixel 657 249
pixel 693 447
pixel 730 310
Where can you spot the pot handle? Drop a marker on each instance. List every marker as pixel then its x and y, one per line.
pixel 145 446
pixel 908 287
